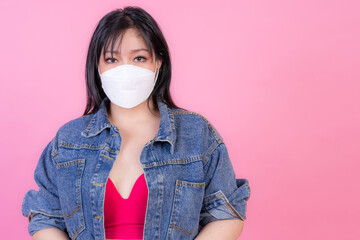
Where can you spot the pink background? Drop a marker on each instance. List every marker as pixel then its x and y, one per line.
pixel 278 79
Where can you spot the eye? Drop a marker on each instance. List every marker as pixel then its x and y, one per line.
pixel 140 58
pixel 107 60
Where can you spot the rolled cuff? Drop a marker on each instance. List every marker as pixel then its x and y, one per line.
pixel 38 221
pixel 217 206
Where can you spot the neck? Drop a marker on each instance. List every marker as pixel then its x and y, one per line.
pixel 129 118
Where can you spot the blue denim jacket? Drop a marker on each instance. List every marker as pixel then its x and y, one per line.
pixel 189 176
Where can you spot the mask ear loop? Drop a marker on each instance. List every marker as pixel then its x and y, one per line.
pixel 156 72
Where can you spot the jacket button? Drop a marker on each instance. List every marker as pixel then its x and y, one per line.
pixel 98 184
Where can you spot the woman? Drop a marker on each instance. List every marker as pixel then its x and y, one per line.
pixel 134 166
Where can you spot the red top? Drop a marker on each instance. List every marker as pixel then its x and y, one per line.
pixel 124 218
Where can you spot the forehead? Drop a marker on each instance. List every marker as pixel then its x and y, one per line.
pixel 125 41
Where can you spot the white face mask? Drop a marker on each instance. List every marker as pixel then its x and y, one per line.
pixel 128 85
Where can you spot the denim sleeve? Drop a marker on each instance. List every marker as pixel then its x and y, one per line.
pixel 42 207
pixel 225 196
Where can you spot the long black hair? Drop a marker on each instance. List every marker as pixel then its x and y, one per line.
pixel 109 28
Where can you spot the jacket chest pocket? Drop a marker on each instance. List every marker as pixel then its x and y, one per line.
pixel 185 214
pixel 69 186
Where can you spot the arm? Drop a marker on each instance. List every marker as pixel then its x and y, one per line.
pixel 50 233
pixel 228 229
pixel 42 208
pixel 225 200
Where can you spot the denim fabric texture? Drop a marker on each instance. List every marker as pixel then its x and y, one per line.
pixel 190 178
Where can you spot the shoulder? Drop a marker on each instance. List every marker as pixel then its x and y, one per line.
pixel 195 124
pixel 73 128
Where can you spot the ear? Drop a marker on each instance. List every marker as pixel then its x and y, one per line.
pixel 159 62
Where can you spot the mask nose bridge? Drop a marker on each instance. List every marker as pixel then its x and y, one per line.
pixel 156 71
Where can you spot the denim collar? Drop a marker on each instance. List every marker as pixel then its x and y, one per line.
pixel 100 122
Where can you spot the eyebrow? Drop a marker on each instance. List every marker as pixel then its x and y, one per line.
pixel 133 50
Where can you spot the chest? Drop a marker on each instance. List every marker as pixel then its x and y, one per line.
pixel 127 168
